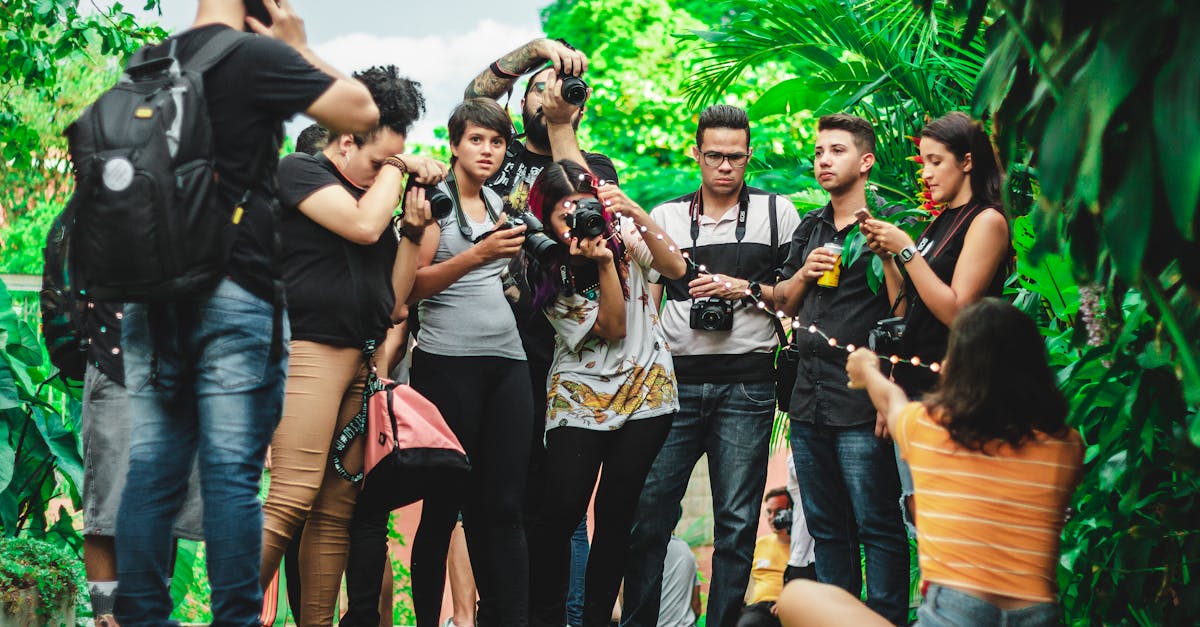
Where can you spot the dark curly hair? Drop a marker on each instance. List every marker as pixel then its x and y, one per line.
pixel 399 99
pixel 996 385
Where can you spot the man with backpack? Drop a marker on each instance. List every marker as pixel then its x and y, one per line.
pixel 193 251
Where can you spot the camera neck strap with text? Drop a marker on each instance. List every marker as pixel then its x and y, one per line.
pixel 696 209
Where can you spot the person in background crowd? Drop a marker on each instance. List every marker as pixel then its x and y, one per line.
pixel 739 237
pixel 206 386
pixel 802 562
pixel 612 386
pixel 346 264
pixel 844 463
pixel 680 603
pixel 469 362
pixel 104 432
pixel 771 555
pixel 994 465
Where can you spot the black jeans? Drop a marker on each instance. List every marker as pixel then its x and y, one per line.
pixel 574 457
pixel 486 402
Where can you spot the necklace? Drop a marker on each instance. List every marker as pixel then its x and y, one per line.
pixel 591 292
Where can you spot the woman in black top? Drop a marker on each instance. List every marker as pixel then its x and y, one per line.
pixel 961 256
pixel 346 266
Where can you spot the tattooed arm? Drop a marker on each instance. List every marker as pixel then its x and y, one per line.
pixel 513 65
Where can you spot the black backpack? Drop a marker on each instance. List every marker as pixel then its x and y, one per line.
pixel 144 224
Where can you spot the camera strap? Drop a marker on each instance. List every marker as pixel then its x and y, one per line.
pixel 696 209
pixel 463 226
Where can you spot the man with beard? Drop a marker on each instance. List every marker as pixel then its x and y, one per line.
pixel 844 460
pixel 550 123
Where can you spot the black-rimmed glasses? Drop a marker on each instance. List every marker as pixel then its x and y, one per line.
pixel 736 159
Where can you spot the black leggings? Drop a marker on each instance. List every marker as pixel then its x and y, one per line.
pixel 574 457
pixel 486 402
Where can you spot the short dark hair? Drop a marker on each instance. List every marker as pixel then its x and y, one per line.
pixel 723 116
pixel 774 492
pixel 312 140
pixel 996 384
pixel 483 112
pixel 399 99
pixel 961 135
pixel 860 129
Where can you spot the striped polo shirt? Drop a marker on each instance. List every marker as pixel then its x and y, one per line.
pixel 989 522
pixel 743 354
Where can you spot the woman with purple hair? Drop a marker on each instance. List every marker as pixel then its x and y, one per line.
pixel 612 390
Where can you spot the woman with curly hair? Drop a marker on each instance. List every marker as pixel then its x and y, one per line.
pixel 994 465
pixel 611 390
pixel 347 265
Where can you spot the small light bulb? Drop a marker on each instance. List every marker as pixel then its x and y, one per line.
pixel 728 285
pixel 894 359
pixel 833 342
pixel 760 305
pixel 686 255
pixel 642 229
pixel 659 236
pixel 779 314
pixel 812 328
pixel 849 348
pixel 916 361
pixel 795 324
pixel 672 249
pixel 935 367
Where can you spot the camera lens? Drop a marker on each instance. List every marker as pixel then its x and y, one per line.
pixel 711 319
pixel 574 90
pixel 539 245
pixel 588 219
pixel 439 203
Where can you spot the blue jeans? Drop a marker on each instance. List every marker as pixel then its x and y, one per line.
pixel 946 607
pixel 579 558
pixel 731 422
pixel 203 389
pixel 852 495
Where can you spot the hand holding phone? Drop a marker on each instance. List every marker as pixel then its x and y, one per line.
pixel 862 215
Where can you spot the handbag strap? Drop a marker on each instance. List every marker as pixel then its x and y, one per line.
pixel 358 424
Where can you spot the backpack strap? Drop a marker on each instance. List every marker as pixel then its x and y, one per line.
pixel 214 50
pixel 773 219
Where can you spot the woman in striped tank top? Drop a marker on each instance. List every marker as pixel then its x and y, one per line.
pixel 994 466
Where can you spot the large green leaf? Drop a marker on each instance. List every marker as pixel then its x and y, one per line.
pixel 8 456
pixel 63 443
pixel 1177 125
pixel 789 97
pixel 1127 220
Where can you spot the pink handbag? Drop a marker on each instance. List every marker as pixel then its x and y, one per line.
pixel 405 430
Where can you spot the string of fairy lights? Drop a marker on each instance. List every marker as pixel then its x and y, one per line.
pixel 795 325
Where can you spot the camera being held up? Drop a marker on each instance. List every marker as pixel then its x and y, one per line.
pixel 711 314
pixel 782 520
pixel 537 244
pixel 574 90
pixel 587 221
pixel 440 204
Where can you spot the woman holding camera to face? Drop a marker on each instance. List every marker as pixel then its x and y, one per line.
pixel 612 391
pixel 961 256
pixel 469 362
pixel 345 269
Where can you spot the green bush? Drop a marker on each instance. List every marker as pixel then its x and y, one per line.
pixel 32 564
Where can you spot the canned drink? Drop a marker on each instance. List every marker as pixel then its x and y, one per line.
pixel 831 277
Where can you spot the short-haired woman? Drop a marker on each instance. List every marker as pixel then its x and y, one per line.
pixel 470 363
pixel 994 465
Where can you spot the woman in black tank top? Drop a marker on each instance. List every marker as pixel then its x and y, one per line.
pixel 962 255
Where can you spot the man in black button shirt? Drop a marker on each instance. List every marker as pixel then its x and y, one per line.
pixel 205 373
pixel 844 461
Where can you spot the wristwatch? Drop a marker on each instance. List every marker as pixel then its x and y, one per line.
pixel 907 253
pixel 755 290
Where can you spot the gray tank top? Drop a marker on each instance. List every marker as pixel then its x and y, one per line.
pixel 472 317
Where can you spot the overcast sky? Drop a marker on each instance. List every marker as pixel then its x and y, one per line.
pixel 441 44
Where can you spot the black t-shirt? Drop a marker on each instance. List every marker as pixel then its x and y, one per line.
pixel 520 168
pixel 339 292
pixel 261 83
pixel 924 335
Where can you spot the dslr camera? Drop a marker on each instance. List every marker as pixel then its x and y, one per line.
pixel 440 204
pixel 588 219
pixel 884 338
pixel 537 244
pixel 711 314
pixel 782 520
pixel 574 90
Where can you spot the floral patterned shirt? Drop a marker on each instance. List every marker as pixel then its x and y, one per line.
pixel 596 383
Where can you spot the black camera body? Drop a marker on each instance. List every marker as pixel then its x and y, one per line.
pixel 884 338
pixel 440 204
pixel 537 244
pixel 782 520
pixel 711 314
pixel 588 219
pixel 574 90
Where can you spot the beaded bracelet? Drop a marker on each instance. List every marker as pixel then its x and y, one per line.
pixel 396 162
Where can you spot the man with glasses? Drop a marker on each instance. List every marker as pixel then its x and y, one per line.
pixel 723 346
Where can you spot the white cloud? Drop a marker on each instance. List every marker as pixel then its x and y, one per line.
pixel 442 63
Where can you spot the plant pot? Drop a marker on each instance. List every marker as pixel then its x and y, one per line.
pixel 22 608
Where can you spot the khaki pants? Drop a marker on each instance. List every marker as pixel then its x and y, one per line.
pixel 324 391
